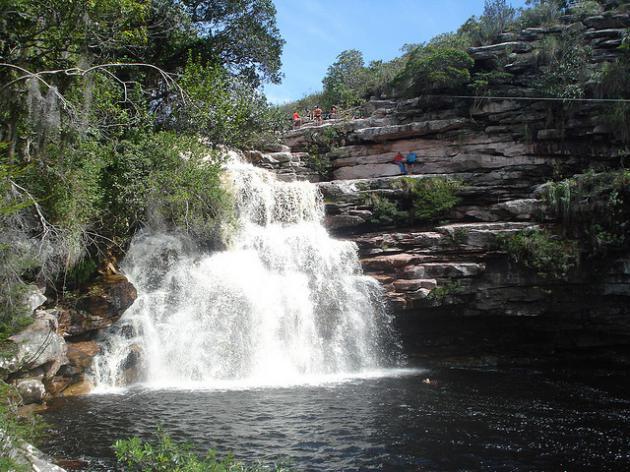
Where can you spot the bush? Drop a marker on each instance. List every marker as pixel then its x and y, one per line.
pixel 540 13
pixel 432 198
pixel 435 68
pixel 593 208
pixel 384 211
pixel 174 179
pixel 168 456
pixel 566 71
pixel 549 255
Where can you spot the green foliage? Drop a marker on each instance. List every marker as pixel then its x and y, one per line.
pixel 435 68
pixel 483 83
pixel 432 198
pixel 585 8
pixel 541 13
pixel 566 71
pixel 168 456
pixel 549 255
pixel 174 179
pixel 222 109
pixel 594 208
pixel 442 292
pixel 384 211
pixel 15 428
pixel 615 83
pixel 344 80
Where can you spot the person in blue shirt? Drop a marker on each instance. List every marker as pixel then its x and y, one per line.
pixel 411 160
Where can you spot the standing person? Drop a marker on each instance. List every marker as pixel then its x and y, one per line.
pixel 411 161
pixel 400 160
pixel 317 115
pixel 297 121
pixel 333 112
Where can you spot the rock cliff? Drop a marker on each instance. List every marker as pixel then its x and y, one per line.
pixel 454 289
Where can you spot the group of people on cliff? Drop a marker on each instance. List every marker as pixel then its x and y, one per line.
pixel 316 115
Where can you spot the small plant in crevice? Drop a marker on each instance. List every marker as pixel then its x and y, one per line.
pixel 441 293
pixel 594 208
pixel 550 255
pixel 384 211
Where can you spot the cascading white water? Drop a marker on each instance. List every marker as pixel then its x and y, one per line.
pixel 284 304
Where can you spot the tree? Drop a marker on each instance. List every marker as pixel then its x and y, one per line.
pixel 240 34
pixel 435 68
pixel 344 79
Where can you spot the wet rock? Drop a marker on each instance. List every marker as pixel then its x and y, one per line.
pixel 80 388
pixel 81 354
pixel 103 304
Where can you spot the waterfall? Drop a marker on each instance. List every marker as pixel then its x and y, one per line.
pixel 284 304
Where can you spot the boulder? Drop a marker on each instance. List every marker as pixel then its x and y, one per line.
pixel 103 304
pixel 81 354
pixel 31 390
pixel 37 345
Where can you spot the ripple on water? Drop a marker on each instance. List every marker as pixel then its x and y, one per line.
pixel 468 420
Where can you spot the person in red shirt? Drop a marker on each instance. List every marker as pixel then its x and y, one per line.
pixel 297 121
pixel 400 160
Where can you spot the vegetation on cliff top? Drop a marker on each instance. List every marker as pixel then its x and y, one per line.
pixel 443 64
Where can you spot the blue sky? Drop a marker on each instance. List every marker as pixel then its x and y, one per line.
pixel 316 31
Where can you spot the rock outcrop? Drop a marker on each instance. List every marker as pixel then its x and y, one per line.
pixel 51 356
pixel 450 283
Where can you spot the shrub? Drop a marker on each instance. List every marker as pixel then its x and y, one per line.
pixel 585 8
pixel 566 71
pixel 168 456
pixel 433 68
pixel 442 292
pixel 432 198
pixel 540 13
pixel 549 255
pixel 174 179
pixel 594 208
pixel 384 211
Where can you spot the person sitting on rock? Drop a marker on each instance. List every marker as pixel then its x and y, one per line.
pixel 411 161
pixel 317 115
pixel 297 121
pixel 400 160
pixel 333 113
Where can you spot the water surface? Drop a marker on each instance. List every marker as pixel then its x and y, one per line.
pixel 462 420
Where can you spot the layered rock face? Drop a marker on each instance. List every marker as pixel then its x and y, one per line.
pixel 50 357
pixel 454 290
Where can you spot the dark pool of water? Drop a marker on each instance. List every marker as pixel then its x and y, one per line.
pixel 464 420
